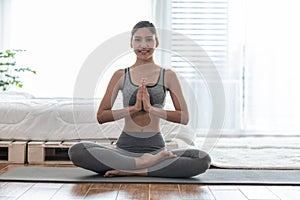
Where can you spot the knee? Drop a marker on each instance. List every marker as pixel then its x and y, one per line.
pixel 75 153
pixel 204 162
pixel 202 157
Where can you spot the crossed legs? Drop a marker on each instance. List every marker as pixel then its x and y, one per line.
pixel 116 162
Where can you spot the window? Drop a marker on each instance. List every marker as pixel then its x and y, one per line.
pixel 199 46
pixel 254 46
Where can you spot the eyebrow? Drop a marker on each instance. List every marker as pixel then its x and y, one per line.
pixel 145 37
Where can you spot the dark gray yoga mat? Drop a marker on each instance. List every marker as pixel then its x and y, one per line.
pixel 212 176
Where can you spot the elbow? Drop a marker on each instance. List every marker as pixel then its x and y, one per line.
pixel 100 118
pixel 185 119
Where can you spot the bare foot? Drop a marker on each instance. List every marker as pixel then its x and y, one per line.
pixel 147 159
pixel 111 173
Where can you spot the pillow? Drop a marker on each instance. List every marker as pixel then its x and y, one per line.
pixel 15 95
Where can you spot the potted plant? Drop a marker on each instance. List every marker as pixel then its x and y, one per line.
pixel 9 71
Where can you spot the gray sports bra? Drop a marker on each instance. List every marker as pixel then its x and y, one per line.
pixel 157 92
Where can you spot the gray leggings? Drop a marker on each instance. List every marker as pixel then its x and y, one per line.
pixel 98 158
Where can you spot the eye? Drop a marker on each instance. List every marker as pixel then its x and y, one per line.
pixel 149 39
pixel 137 39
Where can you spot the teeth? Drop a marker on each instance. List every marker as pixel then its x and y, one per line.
pixel 144 50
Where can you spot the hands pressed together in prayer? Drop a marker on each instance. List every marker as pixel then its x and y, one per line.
pixel 143 97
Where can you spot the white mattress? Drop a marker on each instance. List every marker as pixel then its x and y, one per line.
pixel 53 119
pixel 29 118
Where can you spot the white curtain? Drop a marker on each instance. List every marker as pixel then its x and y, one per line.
pixel 5 21
pixel 272 66
pixel 161 16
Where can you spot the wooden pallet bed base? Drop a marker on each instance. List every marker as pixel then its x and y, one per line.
pixel 13 151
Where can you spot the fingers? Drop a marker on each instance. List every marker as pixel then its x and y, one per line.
pixel 143 80
pixel 143 83
pixel 145 97
pixel 144 88
pixel 140 90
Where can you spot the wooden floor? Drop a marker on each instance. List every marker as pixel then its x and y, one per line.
pixel 66 191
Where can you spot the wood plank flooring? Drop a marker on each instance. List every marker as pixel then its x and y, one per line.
pixel 67 191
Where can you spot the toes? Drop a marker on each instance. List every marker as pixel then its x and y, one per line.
pixel 174 155
pixel 167 154
pixel 171 154
pixel 109 174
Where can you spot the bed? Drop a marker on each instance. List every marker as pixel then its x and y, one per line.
pixel 51 119
pixel 24 117
pixel 41 121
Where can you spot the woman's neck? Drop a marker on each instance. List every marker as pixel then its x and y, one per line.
pixel 140 62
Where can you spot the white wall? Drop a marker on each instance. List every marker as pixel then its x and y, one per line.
pixel 60 35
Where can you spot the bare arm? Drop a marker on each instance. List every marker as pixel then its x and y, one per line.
pixel 105 112
pixel 180 114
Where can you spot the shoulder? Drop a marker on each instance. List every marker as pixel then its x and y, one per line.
pixel 119 72
pixel 118 77
pixel 169 72
pixel 170 77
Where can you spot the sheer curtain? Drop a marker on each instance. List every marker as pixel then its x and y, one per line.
pixel 272 66
pixel 5 21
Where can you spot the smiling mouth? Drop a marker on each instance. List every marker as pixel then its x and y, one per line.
pixel 143 51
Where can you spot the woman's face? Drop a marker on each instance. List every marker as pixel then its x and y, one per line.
pixel 143 43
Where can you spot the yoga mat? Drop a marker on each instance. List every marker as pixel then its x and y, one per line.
pixel 212 176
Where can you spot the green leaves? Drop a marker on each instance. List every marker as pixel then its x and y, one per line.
pixel 25 69
pixel 9 71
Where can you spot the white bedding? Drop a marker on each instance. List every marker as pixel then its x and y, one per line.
pixel 52 119
pixel 32 118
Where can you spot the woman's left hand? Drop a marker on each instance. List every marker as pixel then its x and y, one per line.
pixel 146 97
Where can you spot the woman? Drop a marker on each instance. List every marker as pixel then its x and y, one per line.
pixel 140 148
